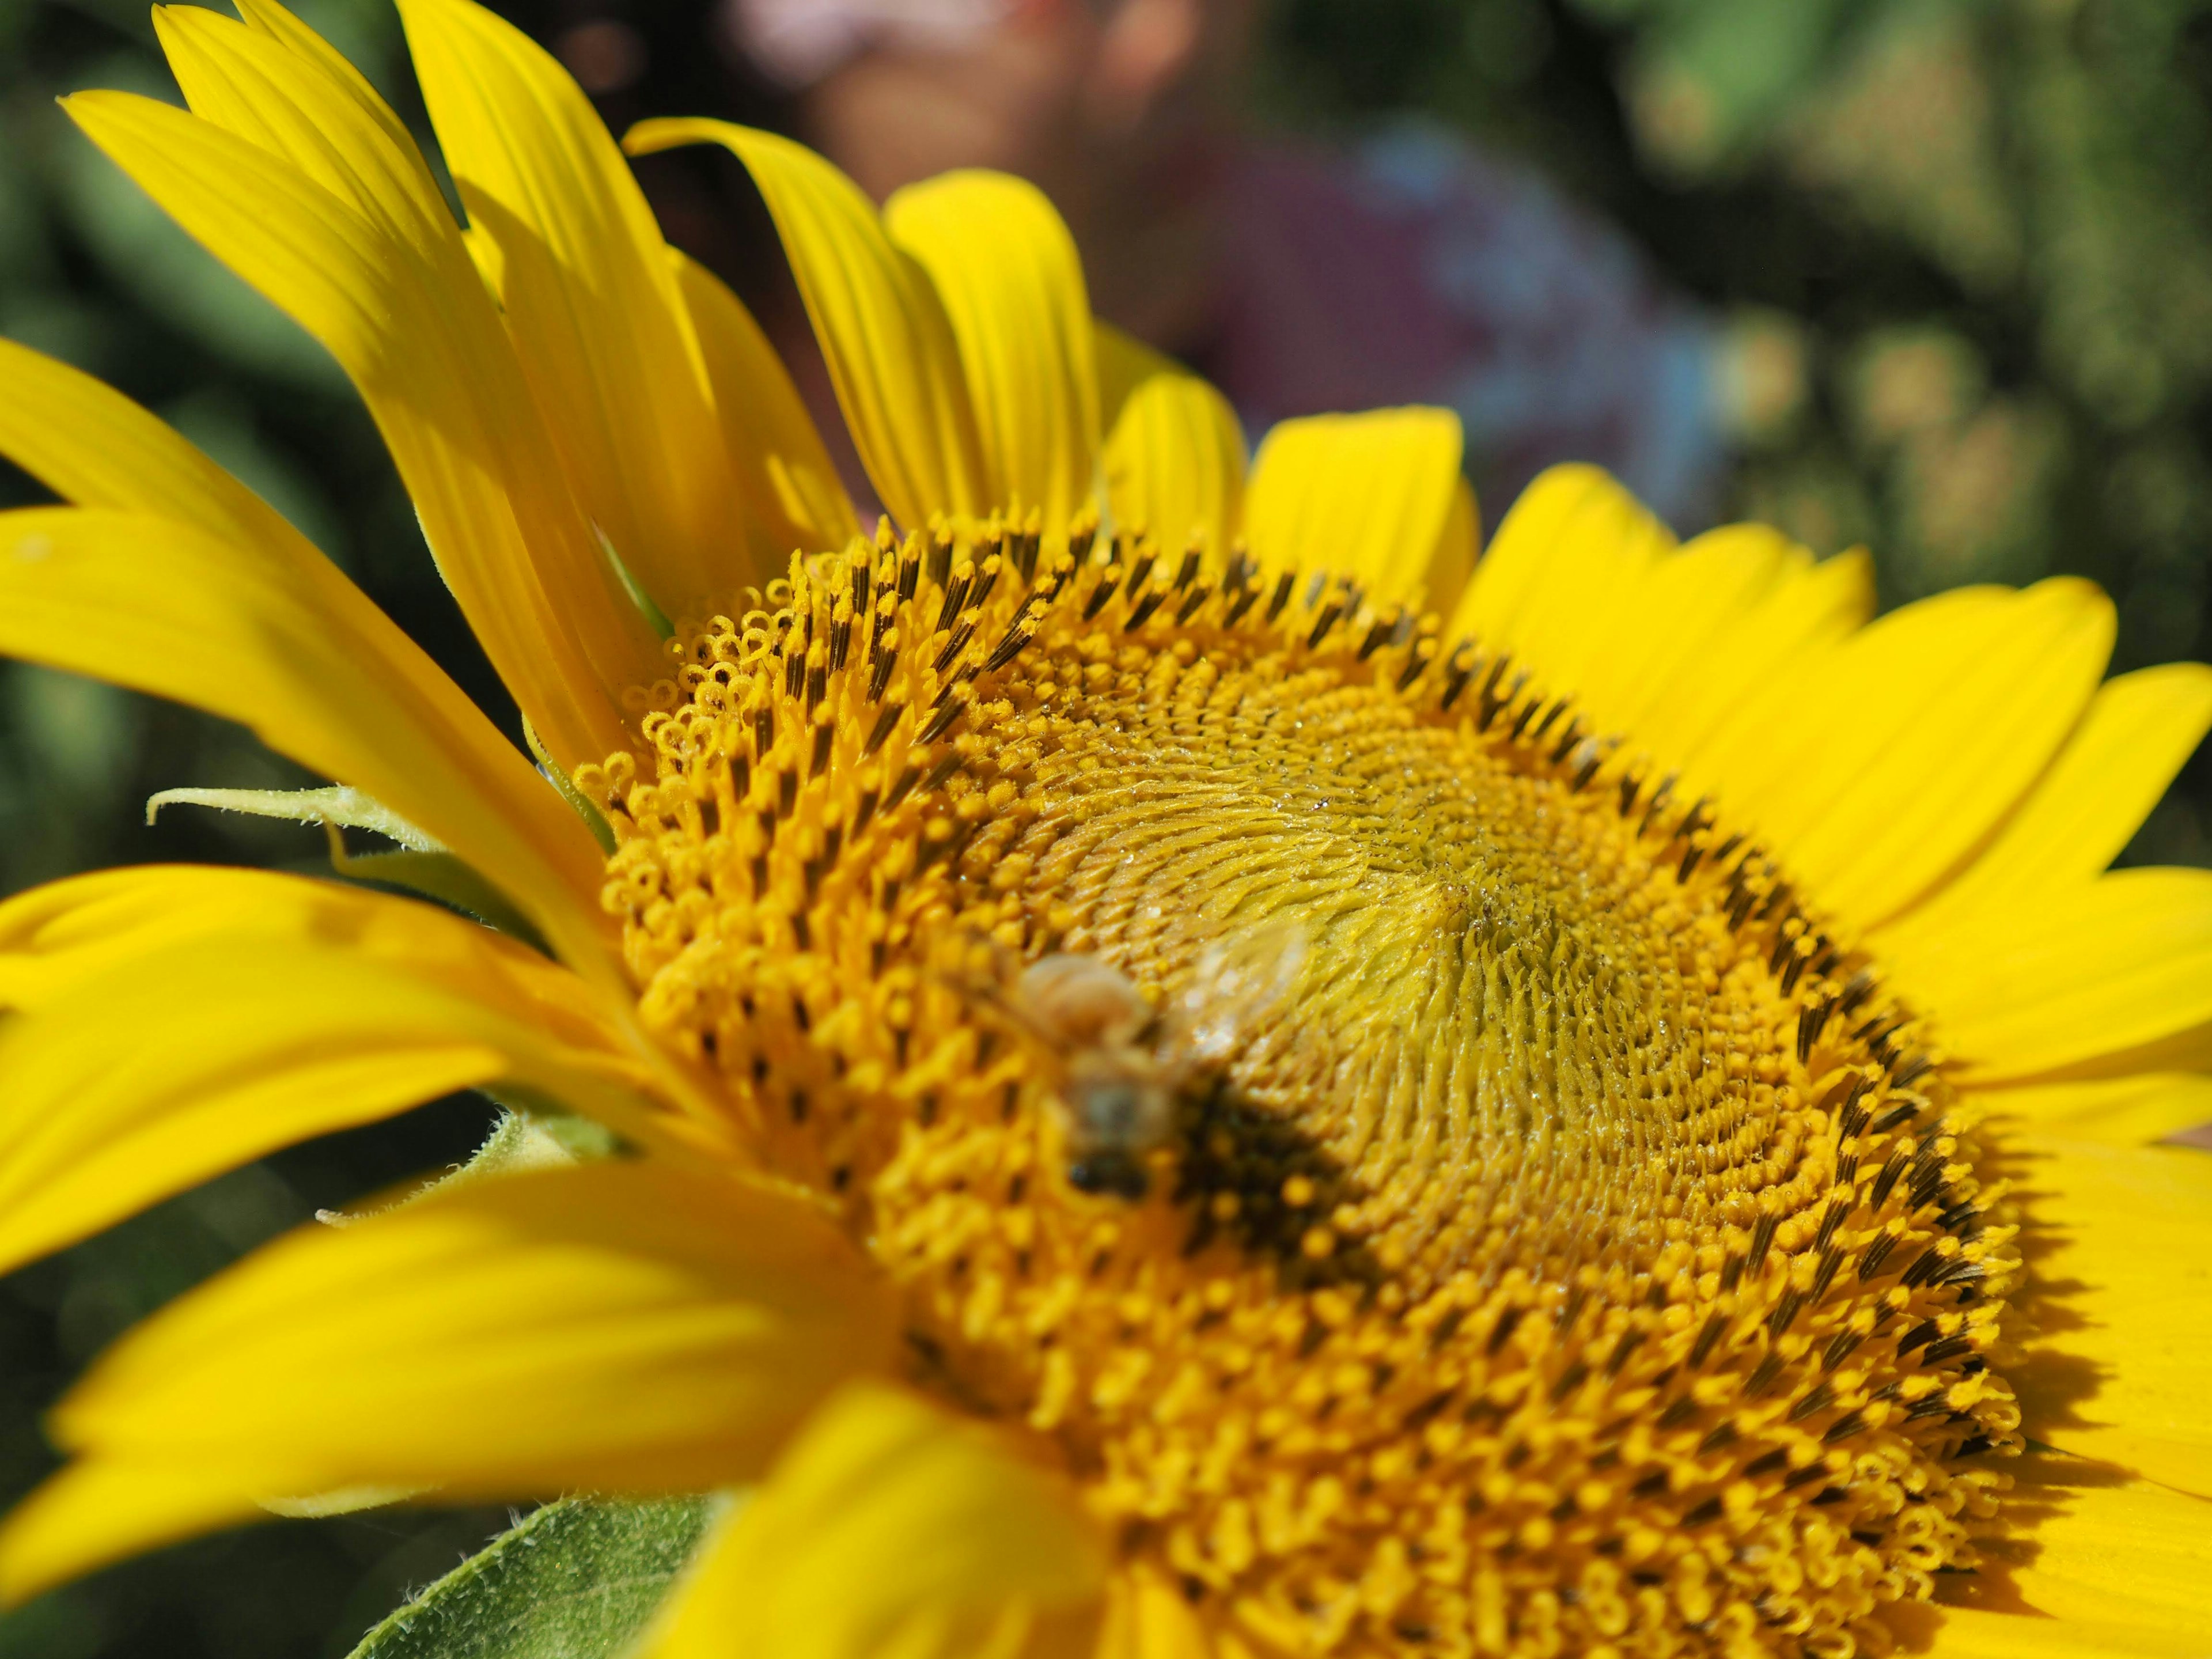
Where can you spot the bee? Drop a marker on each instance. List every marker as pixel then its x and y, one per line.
pixel 1122 1069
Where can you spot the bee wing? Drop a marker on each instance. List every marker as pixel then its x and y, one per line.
pixel 1240 983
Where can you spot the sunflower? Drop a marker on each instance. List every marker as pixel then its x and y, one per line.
pixel 1184 1069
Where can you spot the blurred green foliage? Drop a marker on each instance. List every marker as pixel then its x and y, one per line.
pixel 1965 249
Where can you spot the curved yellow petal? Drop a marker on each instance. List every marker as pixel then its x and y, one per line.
pixel 1148 1617
pixel 888 1528
pixel 419 336
pixel 2122 962
pixel 2133 1110
pixel 1721 725
pixel 616 1326
pixel 1174 454
pixel 1661 629
pixel 94 446
pixel 2139 731
pixel 2073 1543
pixel 1972 1633
pixel 138 1078
pixel 770 443
pixel 885 334
pixel 1568 549
pixel 292 649
pixel 1368 496
pixel 598 317
pixel 2118 1306
pixel 1007 271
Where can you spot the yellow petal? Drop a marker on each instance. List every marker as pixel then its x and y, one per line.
pixel 1174 454
pixel 1147 1617
pixel 94 446
pixel 294 651
pixel 890 1527
pixel 769 440
pixel 1011 284
pixel 1452 565
pixel 2074 1542
pixel 1922 732
pixel 2096 971
pixel 1367 496
pixel 616 1328
pixel 884 332
pixel 420 338
pixel 2138 731
pixel 139 1078
pixel 1570 547
pixel 1661 632
pixel 2118 1299
pixel 2132 1110
pixel 1969 1634
pixel 1723 724
pixel 598 319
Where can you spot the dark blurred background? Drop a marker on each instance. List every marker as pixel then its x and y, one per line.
pixel 1954 258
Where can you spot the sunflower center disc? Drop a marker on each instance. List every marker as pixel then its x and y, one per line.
pixel 1552 1239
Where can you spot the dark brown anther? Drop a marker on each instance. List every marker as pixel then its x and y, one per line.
pixel 1589 756
pixel 1857 989
pixel 1772 1462
pixel 825 733
pixel 1245 600
pixel 1632 784
pixel 1801 954
pixel 1141 612
pixel 1464 661
pixel 1784 1314
pixel 1762 1240
pixel 909 577
pixel 1025 547
pixel 1732 1270
pixel 956 598
pixel 786 791
pixel 1629 1340
pixel 1830 1220
pixel 1923 1268
pixel 1887 1179
pixel 1721 1434
pixel 1819 1398
pixel 1840 1348
pixel 794 674
pixel 1281 596
pixel 1876 1254
pixel 1191 601
pixel 941 773
pixel 909 776
pixel 1550 718
pixel 1763 1374
pixel 764 730
pixel 1502 1332
pixel 956 645
pixel 1911 1071
pixel 1708 1334
pixel 986 579
pixel 1521 721
pixel 864 811
pixel 941 720
pixel 1949 1348
pixel 1568 740
pixel 879 675
pixel 1102 592
pixel 840 643
pixel 1186 570
pixel 1660 797
pixel 940 564
pixel 1377 636
pixel 1844 1427
pixel 817 687
pixel 1416 660
pixel 1809 1022
pixel 1831 1260
pixel 1009 647
pixel 1323 623
pixel 1688 866
pixel 1898 1115
pixel 1926 1331
pixel 885 723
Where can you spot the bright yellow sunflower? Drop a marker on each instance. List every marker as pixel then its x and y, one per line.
pixel 1191 1072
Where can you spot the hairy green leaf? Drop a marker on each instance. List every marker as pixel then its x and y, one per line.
pixel 577 1580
